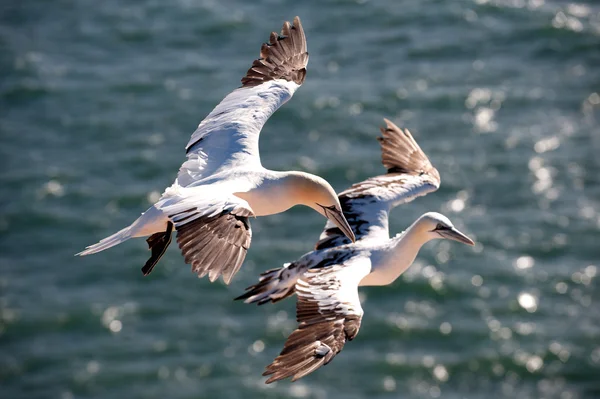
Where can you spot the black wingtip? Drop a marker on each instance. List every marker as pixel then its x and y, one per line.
pixel 245 295
pixel 158 243
pixel 147 269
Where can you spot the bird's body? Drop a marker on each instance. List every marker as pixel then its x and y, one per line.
pixel 326 280
pixel 386 260
pixel 222 184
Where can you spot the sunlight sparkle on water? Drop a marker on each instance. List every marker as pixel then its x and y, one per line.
pixel 534 363
pixel 524 262
pixel 93 367
pixel 299 390
pixel 115 326
pixel 547 144
pixel 563 21
pixel 52 188
pixel 257 347
pixel 389 383
pixel 477 280
pixel 528 302
pixel 484 120
pixel 445 328
pixel 457 205
pixel 440 373
pixel 561 287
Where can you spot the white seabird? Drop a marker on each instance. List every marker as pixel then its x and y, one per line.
pixel 326 280
pixel 222 184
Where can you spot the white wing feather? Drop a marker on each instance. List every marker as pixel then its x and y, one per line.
pixel 367 204
pixel 228 136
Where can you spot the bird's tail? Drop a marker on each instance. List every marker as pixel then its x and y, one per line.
pixel 108 242
pixel 273 285
pixel 150 222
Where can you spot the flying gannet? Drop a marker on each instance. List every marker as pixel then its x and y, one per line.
pixel 222 183
pixel 326 280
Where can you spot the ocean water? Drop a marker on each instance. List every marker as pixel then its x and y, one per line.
pixel 98 99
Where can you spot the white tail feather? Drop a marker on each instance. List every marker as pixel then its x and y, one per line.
pixel 151 221
pixel 108 242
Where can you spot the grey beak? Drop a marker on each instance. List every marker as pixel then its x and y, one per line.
pixel 337 216
pixel 454 234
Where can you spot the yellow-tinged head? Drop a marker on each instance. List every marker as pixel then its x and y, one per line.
pixel 317 193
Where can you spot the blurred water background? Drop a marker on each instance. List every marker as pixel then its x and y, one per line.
pixel 98 99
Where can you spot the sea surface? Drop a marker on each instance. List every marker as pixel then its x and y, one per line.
pixel 98 100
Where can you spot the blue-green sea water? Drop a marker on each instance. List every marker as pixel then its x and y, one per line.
pixel 99 98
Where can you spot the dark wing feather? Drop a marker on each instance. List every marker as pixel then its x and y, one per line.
pixel 366 204
pixel 329 314
pixel 214 244
pixel 277 284
pixel 283 57
pixel 158 244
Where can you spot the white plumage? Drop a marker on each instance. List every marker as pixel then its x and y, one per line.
pixel 228 137
pixel 326 280
pixel 222 184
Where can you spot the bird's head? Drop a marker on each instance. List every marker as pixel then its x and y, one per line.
pixel 317 193
pixel 437 226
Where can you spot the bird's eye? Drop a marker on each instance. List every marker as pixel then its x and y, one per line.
pixel 440 226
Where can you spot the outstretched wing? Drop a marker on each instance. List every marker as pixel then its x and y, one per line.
pixel 329 314
pixel 367 204
pixel 228 136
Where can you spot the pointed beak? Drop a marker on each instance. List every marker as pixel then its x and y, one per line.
pixel 337 216
pixel 454 234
